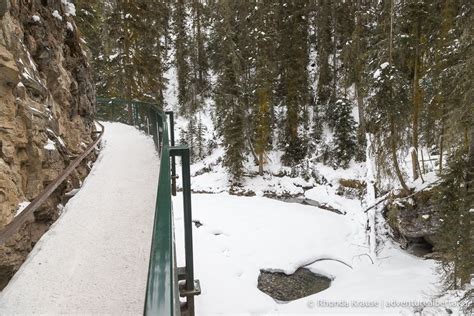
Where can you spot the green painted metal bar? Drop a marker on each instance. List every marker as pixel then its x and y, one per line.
pixel 173 159
pixel 191 288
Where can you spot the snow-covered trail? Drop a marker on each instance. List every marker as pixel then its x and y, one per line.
pixel 94 260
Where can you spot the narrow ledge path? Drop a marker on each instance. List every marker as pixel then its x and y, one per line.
pixel 94 259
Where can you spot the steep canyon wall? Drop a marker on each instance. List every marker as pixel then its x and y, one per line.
pixel 47 104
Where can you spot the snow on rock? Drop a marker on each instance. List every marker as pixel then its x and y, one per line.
pixel 70 8
pixel 113 56
pixel 94 259
pixel 377 74
pixel 384 65
pixel 50 145
pixel 57 15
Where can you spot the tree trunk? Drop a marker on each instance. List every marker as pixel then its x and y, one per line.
pixel 417 102
pixel 441 145
pixel 334 79
pixel 393 149
pixel 358 70
pixel 260 164
pixel 470 165
pixel 416 113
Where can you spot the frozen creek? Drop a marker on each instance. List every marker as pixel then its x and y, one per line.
pixel 240 236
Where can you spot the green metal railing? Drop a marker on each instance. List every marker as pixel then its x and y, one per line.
pixel 166 282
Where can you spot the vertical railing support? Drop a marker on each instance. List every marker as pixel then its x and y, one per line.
pixel 160 132
pixel 191 287
pixel 153 127
pixel 173 159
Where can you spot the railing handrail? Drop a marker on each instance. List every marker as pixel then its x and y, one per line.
pixel 162 296
pixel 162 292
pixel 12 228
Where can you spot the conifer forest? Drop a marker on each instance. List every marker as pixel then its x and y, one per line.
pixel 236 157
pixel 335 82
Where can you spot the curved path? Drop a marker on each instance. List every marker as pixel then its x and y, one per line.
pixel 94 259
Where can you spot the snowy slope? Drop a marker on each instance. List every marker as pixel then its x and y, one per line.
pixel 94 260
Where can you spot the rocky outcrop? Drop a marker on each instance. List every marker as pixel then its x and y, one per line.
pixel 414 218
pixel 47 102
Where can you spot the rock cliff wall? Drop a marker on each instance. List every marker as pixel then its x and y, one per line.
pixel 47 100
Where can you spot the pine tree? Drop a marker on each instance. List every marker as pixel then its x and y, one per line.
pixel 387 111
pixel 201 129
pixel 265 77
pixel 324 49
pixel 454 202
pixel 230 111
pixel 293 58
pixel 345 145
pixel 200 12
pixel 182 57
pixel 354 56
pixel 132 56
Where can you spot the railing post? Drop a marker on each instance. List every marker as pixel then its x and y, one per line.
pixel 154 127
pixel 160 132
pixel 173 159
pixel 192 287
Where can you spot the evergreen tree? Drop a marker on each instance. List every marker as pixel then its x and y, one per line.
pixel 230 111
pixel 387 110
pixel 200 13
pixel 345 145
pixel 324 49
pixel 265 78
pixel 200 151
pixel 454 202
pixel 293 58
pixel 131 55
pixel 182 57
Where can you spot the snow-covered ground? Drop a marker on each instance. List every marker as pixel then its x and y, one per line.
pixel 241 235
pixel 94 260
